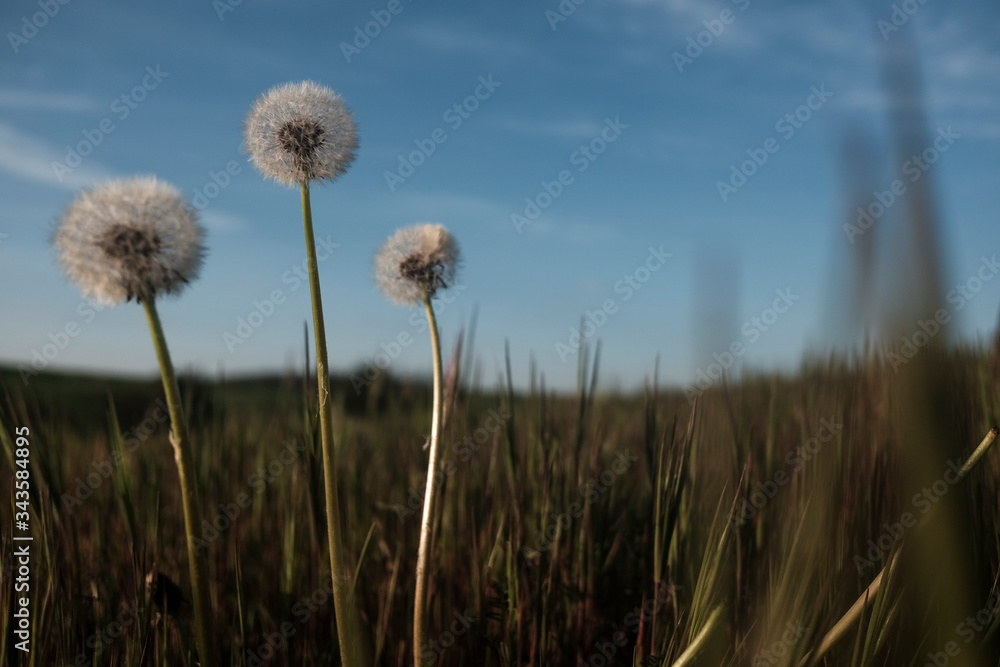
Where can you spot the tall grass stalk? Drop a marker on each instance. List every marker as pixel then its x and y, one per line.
pixel 352 651
pixel 181 442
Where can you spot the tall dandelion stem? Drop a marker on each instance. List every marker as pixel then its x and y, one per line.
pixel 180 440
pixel 138 238
pixel 410 267
pixel 297 133
pixel 352 652
pixel 423 554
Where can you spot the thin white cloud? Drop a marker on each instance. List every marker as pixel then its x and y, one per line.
pixel 586 233
pixel 453 205
pixel 223 223
pixel 863 98
pixel 463 38
pixel 33 160
pixel 689 10
pixel 577 128
pixel 647 26
pixel 983 130
pixel 43 101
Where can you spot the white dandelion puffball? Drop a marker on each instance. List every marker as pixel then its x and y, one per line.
pixel 300 132
pixel 130 239
pixel 416 261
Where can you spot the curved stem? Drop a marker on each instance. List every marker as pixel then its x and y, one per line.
pixel 867 598
pixel 180 440
pixel 352 648
pixel 423 554
pixel 700 639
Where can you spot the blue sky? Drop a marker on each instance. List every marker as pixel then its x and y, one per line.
pixel 586 111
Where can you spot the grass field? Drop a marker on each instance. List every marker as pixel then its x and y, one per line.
pixel 588 529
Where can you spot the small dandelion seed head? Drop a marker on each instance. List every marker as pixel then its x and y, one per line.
pixel 300 132
pixel 130 239
pixel 416 261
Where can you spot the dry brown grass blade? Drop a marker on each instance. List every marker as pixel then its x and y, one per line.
pixel 857 609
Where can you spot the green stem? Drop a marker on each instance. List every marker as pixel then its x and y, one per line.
pixel 423 554
pixel 180 439
pixel 352 646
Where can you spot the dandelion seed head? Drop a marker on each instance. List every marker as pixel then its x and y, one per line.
pixel 300 132
pixel 130 239
pixel 416 261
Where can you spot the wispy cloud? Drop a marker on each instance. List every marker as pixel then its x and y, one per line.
pixel 452 37
pixel 687 11
pixel 43 101
pixel 451 205
pixel 576 128
pixel 586 232
pixel 31 159
pixel 982 130
pixel 222 222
